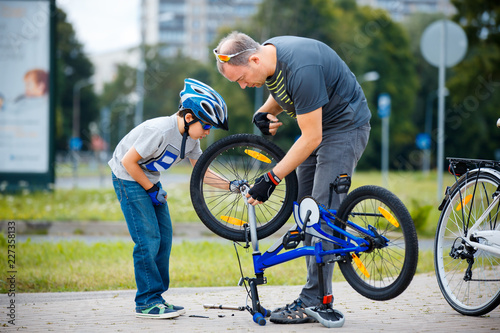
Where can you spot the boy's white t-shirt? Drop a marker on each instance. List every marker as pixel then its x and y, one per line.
pixel 158 141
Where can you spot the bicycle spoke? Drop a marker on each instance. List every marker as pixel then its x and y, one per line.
pixel 241 157
pixel 392 260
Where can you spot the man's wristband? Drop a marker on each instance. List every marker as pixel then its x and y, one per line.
pixel 274 179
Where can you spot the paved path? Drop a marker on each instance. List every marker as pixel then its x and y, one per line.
pixel 421 308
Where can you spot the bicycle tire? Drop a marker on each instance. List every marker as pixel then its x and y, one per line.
pixel 390 269
pixel 241 157
pixel 477 296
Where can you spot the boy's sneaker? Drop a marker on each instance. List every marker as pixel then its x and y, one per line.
pixel 158 311
pixel 330 318
pixel 179 309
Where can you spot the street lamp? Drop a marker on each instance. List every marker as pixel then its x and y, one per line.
pixel 76 142
pixel 76 104
pixel 369 76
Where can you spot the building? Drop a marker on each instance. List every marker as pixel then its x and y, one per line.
pixel 190 26
pixel 400 9
pixel 105 65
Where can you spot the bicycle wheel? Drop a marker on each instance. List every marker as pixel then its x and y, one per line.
pixel 240 157
pixel 385 270
pixel 478 293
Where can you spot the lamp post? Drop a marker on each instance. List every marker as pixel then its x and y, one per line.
pixel 76 104
pixel 75 143
pixel 369 76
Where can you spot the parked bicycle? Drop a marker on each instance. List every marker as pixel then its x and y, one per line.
pixel 376 242
pixel 467 243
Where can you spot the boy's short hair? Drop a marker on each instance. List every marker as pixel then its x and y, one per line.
pixel 182 112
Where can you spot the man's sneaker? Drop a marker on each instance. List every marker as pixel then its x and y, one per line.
pixel 330 318
pixel 179 309
pixel 158 311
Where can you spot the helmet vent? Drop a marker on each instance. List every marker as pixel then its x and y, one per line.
pixel 207 108
pixel 199 91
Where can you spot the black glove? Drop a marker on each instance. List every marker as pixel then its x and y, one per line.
pixel 260 120
pixel 157 195
pixel 264 186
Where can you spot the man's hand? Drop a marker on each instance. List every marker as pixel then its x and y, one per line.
pixel 266 122
pixel 157 195
pixel 263 188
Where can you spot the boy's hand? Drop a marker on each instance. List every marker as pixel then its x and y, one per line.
pixel 264 187
pixel 157 195
pixel 235 185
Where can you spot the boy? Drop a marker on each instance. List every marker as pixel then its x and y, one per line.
pixel 151 147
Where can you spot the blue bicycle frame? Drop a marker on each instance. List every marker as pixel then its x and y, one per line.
pixel 351 244
pixel 309 216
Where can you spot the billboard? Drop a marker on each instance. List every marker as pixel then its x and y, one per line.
pixel 25 91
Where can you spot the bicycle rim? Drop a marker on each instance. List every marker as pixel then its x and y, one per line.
pixel 481 294
pixel 241 157
pixel 380 273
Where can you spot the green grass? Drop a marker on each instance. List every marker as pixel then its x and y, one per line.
pixel 77 266
pixel 417 191
pixel 84 205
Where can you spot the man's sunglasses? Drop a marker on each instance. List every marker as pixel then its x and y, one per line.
pixel 226 57
pixel 205 125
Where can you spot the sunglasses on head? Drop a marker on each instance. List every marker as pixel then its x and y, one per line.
pixel 205 126
pixel 226 57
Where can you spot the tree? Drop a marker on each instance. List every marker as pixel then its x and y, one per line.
pixel 163 81
pixel 474 87
pixel 72 66
pixel 367 40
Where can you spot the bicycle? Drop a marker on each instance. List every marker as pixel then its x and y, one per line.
pixel 467 242
pixel 376 244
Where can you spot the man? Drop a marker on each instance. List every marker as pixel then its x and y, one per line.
pixel 310 82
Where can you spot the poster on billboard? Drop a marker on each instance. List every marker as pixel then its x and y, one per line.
pixel 25 87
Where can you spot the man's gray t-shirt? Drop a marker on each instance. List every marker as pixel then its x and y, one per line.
pixel 309 75
pixel 158 141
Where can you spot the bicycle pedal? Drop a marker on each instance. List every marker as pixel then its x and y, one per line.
pixel 342 183
pixel 292 239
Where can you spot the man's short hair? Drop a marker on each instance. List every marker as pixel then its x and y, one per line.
pixel 237 42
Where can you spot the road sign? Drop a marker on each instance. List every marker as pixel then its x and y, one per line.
pixel 443 44
pixel 455 43
pixel 384 105
pixel 423 141
pixel 75 143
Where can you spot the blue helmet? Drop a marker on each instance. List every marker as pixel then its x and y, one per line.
pixel 206 104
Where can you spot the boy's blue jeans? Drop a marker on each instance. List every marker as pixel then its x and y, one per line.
pixel 151 230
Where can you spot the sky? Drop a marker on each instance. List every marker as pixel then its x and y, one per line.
pixel 103 25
